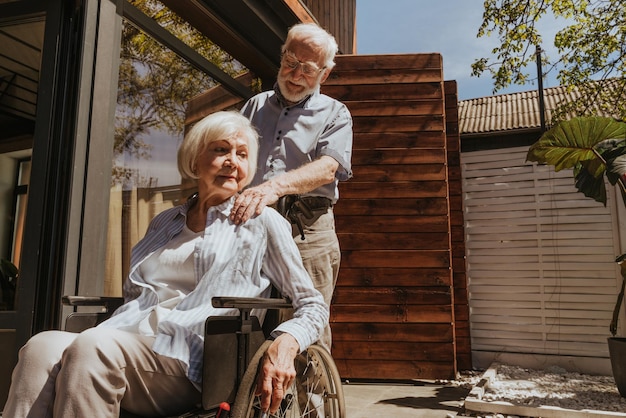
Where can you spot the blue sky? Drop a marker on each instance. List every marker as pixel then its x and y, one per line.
pixel 448 27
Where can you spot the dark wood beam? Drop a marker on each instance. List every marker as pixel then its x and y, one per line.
pixel 138 18
pixel 250 31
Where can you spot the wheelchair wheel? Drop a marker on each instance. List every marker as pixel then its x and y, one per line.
pixel 316 392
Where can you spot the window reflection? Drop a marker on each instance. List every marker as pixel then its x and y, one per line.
pixel 154 87
pixel 16 206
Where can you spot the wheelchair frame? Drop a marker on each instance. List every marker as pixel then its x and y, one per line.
pixel 231 376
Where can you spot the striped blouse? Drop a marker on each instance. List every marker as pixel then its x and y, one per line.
pixel 230 260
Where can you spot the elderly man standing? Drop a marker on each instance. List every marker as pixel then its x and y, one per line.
pixel 305 150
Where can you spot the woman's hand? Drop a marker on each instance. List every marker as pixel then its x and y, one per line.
pixel 277 372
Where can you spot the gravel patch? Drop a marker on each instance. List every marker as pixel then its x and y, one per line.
pixel 553 387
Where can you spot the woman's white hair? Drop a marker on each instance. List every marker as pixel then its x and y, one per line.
pixel 313 33
pixel 215 127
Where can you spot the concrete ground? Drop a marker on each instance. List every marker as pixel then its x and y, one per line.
pixel 414 400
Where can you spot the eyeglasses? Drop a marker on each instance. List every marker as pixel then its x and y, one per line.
pixel 308 68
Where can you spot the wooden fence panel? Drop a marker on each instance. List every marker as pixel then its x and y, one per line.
pixel 542 279
pixel 393 312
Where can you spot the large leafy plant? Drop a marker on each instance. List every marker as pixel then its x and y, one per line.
pixel 595 148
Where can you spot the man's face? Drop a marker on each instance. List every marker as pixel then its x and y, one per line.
pixel 301 71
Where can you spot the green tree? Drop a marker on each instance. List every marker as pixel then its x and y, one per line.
pixel 591 47
pixel 155 83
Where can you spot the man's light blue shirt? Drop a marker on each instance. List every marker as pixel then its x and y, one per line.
pixel 291 136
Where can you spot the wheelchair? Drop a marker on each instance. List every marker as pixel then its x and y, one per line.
pixel 237 345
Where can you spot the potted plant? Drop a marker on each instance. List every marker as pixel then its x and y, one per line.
pixel 595 148
pixel 8 282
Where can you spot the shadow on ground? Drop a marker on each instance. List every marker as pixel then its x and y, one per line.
pixel 443 398
pixel 403 400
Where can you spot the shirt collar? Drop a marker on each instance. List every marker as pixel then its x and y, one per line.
pixel 224 207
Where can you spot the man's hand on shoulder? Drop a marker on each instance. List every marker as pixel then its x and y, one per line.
pixel 252 201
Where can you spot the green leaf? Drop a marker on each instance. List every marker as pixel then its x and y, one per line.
pixel 590 185
pixel 592 146
pixel 573 141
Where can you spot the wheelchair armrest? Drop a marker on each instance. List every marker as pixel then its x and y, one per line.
pixel 108 302
pixel 80 321
pixel 250 303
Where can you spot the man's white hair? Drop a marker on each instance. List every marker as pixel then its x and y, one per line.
pixel 313 33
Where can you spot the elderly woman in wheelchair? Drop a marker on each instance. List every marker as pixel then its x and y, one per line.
pixel 147 358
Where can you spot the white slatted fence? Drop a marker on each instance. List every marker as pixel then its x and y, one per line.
pixel 540 262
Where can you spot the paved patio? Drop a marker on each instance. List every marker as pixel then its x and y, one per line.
pixel 415 400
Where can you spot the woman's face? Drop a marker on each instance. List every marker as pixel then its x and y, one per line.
pixel 222 168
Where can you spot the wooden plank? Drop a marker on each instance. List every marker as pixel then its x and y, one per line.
pixel 562 280
pixel 397 62
pixel 562 259
pixel 529 236
pixel 392 313
pixel 404 140
pixel 355 333
pixel 578 250
pixel 390 241
pixel 397 351
pixel 378 76
pixel 392 296
pixel 383 369
pixel 375 223
pixel 400 277
pixel 391 172
pixel 407 258
pixel 375 190
pixel 397 207
pixel 597 349
pixel 382 92
pixel 369 108
pixel 531 316
pixel 433 123
pixel 543 327
pixel 428 157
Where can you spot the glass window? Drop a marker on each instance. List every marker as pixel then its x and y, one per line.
pixel 154 87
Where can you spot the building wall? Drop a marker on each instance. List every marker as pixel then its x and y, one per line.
pixel 339 18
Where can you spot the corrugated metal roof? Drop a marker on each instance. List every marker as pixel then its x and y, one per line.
pixel 510 111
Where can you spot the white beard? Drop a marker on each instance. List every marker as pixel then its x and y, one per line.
pixel 296 97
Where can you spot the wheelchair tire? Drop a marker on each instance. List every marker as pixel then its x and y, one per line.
pixel 316 392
